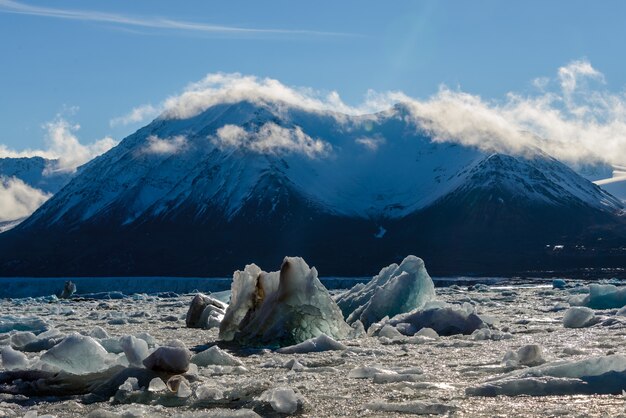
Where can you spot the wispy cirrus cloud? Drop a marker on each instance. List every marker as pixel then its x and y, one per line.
pixel 10 6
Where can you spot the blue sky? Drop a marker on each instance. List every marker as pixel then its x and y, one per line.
pixel 92 62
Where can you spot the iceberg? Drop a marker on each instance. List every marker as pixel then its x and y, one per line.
pixel 605 296
pixel 443 319
pixel 205 312
pixel 281 308
pixel 396 289
pixel 594 375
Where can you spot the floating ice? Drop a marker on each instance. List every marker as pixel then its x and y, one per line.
pixel 579 317
pixel 282 399
pixel 21 338
pixel 417 408
pixel 13 360
pixel 388 331
pixel 68 290
pixel 205 312
pixel 395 290
pixel 605 296
pixel 22 323
pixel 281 308
pixel 559 284
pixel 98 332
pixel 157 385
pixel 168 359
pixel 215 356
pixel 594 375
pixel 443 319
pixel 367 372
pixel 527 355
pixel 428 333
pixel 135 349
pixel 78 354
pixel 313 345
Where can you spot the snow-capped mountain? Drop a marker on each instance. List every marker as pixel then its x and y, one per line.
pixel 37 172
pixel 243 182
pixel 25 183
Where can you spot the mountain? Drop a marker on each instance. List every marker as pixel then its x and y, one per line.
pixel 252 182
pixel 25 183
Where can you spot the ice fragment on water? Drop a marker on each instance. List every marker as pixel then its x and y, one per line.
pixel 395 290
pixel 215 356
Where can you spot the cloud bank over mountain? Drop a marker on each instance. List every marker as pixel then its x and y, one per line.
pixel 572 115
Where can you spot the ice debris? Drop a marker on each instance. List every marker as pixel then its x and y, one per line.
pixel 78 354
pixel 282 399
pixel 594 375
pixel 416 408
pixel 313 345
pixel 579 317
pixel 205 312
pixel 281 308
pixel 13 359
pixel 396 289
pixel 172 358
pixel 69 288
pixel 215 356
pixel 605 296
pixel 443 319
pixel 527 355
pixel 22 323
pixel 135 349
pixel 559 284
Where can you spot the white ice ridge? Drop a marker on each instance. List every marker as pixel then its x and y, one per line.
pixel 281 308
pixel 396 289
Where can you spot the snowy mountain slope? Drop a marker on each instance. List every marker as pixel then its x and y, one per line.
pixel 246 181
pixel 25 183
pixel 37 172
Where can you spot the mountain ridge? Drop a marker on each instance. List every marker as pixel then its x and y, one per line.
pixel 243 182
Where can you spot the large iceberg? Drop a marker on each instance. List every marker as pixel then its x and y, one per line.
pixel 281 308
pixel 395 290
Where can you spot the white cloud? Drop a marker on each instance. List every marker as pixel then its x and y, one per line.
pixel 63 146
pixel 136 115
pixel 17 199
pixel 371 143
pixel 271 138
pixel 164 146
pixel 568 117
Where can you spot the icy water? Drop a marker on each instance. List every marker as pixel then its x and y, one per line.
pixel 23 287
pixel 441 369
